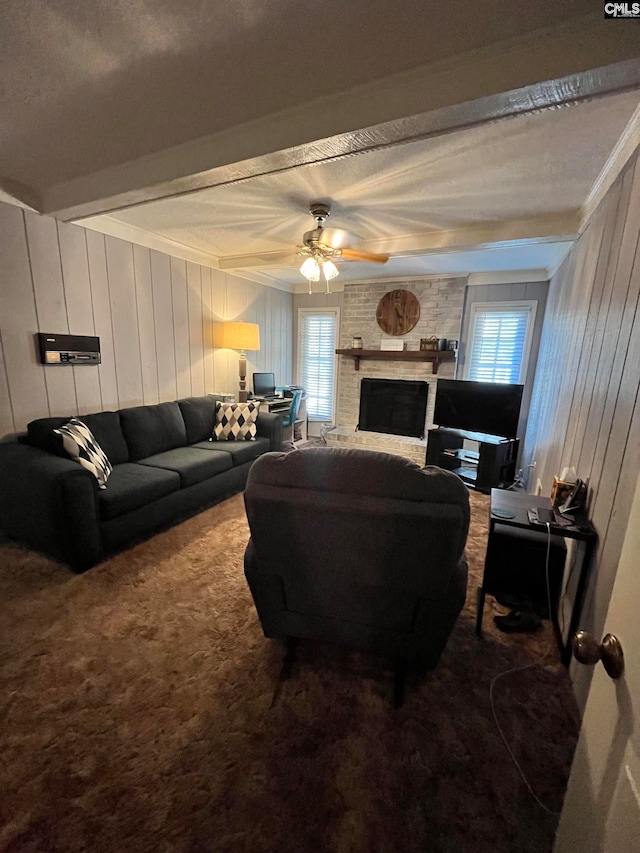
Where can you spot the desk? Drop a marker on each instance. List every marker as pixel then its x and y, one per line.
pixel 282 405
pixel 582 532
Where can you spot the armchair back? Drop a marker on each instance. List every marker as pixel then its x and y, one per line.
pixel 357 546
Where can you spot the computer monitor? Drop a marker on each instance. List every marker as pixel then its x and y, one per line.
pixel 264 384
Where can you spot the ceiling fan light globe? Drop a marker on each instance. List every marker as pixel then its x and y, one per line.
pixel 310 269
pixel 330 270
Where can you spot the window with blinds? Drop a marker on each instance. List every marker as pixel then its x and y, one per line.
pixel 317 336
pixel 500 340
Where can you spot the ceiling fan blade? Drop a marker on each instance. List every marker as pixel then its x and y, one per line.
pixel 356 255
pixel 259 259
pixel 336 238
pixel 332 238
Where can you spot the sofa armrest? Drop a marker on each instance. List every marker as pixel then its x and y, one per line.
pixel 50 503
pixel 269 425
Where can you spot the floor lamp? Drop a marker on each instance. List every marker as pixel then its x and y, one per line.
pixel 240 336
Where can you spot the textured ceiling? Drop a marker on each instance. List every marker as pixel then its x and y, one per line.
pixel 526 166
pixel 91 84
pixel 109 103
pixel 538 166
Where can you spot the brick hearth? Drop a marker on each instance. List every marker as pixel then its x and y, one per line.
pixel 414 449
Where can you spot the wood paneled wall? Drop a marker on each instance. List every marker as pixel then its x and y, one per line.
pixel 152 312
pixel 585 410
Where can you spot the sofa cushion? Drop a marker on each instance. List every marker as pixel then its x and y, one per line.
pixel 83 447
pixel 199 415
pixel 104 425
pixel 41 434
pixel 108 432
pixel 236 421
pixel 239 451
pixel 152 429
pixel 192 464
pixel 132 486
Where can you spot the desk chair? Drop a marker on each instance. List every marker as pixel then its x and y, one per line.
pixel 288 423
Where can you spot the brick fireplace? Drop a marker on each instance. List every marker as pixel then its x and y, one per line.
pixel 441 304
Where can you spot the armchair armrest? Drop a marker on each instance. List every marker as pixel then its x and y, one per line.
pixel 50 503
pixel 269 425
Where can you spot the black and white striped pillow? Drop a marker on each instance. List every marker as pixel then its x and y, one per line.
pixel 81 445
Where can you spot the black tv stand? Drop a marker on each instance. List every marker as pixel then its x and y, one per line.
pixel 492 466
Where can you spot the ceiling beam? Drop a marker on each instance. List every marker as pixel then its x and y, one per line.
pixel 515 232
pixel 565 64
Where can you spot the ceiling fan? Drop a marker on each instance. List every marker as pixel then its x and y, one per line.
pixel 322 245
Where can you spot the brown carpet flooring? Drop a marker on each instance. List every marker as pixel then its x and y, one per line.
pixel 139 711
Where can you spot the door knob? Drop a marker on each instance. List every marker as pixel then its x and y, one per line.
pixel 586 649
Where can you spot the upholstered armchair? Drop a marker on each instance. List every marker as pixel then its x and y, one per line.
pixel 357 547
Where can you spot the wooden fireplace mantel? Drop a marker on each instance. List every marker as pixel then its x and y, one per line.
pixel 436 357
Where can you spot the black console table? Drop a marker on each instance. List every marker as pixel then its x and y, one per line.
pixel 492 466
pixel 508 512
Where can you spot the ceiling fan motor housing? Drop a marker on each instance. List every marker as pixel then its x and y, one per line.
pixel 320 212
pixel 313 239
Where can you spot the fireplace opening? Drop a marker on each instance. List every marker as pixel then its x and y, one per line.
pixel 393 406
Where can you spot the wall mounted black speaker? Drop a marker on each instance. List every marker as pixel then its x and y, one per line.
pixel 68 349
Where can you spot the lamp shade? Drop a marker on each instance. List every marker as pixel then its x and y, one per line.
pixel 240 336
pixel 330 270
pixel 310 269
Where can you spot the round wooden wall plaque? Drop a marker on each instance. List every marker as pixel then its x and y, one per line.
pixel 398 311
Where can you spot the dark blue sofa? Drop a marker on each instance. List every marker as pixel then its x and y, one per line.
pixel 165 468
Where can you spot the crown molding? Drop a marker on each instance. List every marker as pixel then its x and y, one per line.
pixel 133 234
pixel 622 152
pixel 264 279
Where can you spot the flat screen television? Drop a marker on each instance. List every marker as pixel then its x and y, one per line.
pixel 486 407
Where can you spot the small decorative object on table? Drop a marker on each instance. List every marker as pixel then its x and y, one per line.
pixel 429 343
pixel 387 345
pixel 563 486
pixel 561 491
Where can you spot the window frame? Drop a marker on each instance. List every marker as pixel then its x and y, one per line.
pixel 302 314
pixel 530 305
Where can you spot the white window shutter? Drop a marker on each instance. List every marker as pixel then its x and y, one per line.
pixel 318 333
pixel 500 340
